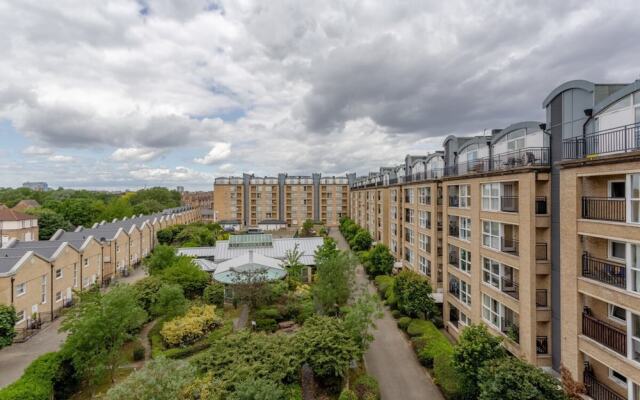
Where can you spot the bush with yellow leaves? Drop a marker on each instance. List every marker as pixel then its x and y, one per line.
pixel 197 322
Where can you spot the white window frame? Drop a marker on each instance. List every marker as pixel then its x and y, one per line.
pixel 491 202
pixel 409 235
pixel 610 251
pixel 422 219
pixel 611 314
pixel 491 235
pixel 488 311
pixel 465 229
pixel 617 380
pixel 464 196
pixel 615 181
pixel 465 292
pixel 424 265
pixel 58 270
pixel 630 200
pixel 488 266
pixel 463 319
pixel 424 193
pixel 424 242
pixel 58 300
pixel 464 261
pixel 20 319
pixel 21 289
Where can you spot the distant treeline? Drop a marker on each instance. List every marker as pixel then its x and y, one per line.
pixel 66 208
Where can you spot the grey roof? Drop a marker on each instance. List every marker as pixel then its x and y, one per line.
pixel 6 263
pixel 222 252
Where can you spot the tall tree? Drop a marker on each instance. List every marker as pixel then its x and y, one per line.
pixel 334 280
pixel 8 321
pixel 49 222
pixel 380 261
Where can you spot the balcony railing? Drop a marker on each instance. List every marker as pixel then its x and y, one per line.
pixel 620 139
pixel 541 205
pixel 604 208
pixel 604 271
pixel 605 334
pixel 509 204
pixel 542 298
pixel 533 156
pixel 542 345
pixel 541 252
pixel 510 246
pixel 510 287
pixel 597 390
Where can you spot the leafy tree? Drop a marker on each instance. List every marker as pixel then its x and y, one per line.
pixel 307 227
pixel 167 235
pixel 8 319
pixel 334 280
pixel 258 389
pixel 359 320
pixel 146 290
pixel 327 250
pixel 49 222
pixel 170 302
pixel 361 241
pixel 98 326
pixel 349 230
pixel 294 266
pixel 512 379
pixel 379 261
pixel 160 379
pixel 326 346
pixel 194 236
pixel 413 294
pixel 188 275
pixel 214 294
pixel 147 207
pixel 117 208
pixel 476 346
pixel 161 258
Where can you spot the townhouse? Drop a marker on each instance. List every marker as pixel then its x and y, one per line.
pixel 39 278
pixel 17 225
pixel 275 202
pixel 541 233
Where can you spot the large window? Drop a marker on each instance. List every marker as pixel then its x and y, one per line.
pixel 465 260
pixel 43 289
pixel 491 234
pixel 465 196
pixel 465 229
pixel 424 242
pixel 408 196
pixel 424 265
pixel 465 293
pixel 491 311
pixel 634 198
pixel 491 196
pixel 408 235
pixel 424 219
pixel 635 268
pixel 21 289
pixel 409 215
pixel 635 337
pixel 491 272
pixel 424 195
pixel 408 255
pixel 617 250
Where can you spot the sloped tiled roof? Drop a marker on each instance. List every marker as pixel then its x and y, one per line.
pixel 7 214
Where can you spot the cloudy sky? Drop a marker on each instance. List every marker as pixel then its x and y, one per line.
pixel 123 94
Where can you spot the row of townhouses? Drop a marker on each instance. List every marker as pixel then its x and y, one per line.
pixel 39 277
pixel 533 230
pixel 282 201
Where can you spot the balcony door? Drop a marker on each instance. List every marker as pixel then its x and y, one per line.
pixel 633 198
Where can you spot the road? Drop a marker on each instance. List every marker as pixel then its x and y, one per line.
pixel 390 358
pixel 15 358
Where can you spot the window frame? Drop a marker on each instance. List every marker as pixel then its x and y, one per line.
pixel 464 196
pixel 464 226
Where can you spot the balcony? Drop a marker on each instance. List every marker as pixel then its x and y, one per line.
pixel 509 246
pixel 598 390
pixel 454 258
pixel 509 204
pixel 542 345
pixel 510 287
pixel 541 205
pixel 529 157
pixel 604 271
pixel 621 139
pixel 604 208
pixel 454 231
pixel 604 333
pixel 542 298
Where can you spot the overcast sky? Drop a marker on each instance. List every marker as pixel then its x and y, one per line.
pixel 123 94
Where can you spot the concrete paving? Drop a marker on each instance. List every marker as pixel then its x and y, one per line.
pixel 15 358
pixel 390 358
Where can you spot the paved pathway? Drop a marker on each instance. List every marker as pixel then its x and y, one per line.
pixel 15 358
pixel 390 358
pixel 241 322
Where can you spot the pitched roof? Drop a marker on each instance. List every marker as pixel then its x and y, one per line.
pixel 7 214
pixel 26 204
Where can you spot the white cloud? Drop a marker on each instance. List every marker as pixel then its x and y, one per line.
pixel 218 152
pixel 135 154
pixel 175 175
pixel 60 158
pixel 37 151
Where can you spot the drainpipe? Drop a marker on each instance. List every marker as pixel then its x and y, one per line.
pixel 51 285
pixel 81 267
pixel 13 278
pixel 102 262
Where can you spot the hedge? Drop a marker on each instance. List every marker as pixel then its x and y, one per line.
pixel 419 327
pixel 383 282
pixel 366 387
pixel 37 381
pixel 447 378
pixel 192 326
pixel 268 313
pixel 403 323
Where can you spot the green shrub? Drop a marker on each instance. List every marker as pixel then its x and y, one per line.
pixel 418 343
pixel 37 381
pixel 367 388
pixel 419 327
pixel 195 324
pixel 138 353
pixel 391 299
pixel 403 323
pixel 434 347
pixel 447 378
pixel 268 313
pixel 307 310
pixel 214 294
pixel 396 314
pixel 184 352
pixel 348 395
pixel 266 324
pixel 383 282
pixel 157 346
pixel 437 321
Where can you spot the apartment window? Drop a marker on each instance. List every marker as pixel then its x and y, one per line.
pixel 465 196
pixel 635 337
pixel 424 196
pixel 424 218
pixel 43 289
pixel 464 319
pixel 394 229
pixel 491 272
pixel 465 261
pixel 635 268
pixel 21 289
pixel 491 197
pixel 408 196
pixel 409 215
pixel 58 297
pixel 465 229
pixel 424 242
pixel 491 234
pixel 394 246
pixel 408 255
pixel 394 195
pixel 424 265
pixel 408 235
pixel 617 314
pixel 58 273
pixel 491 311
pixel 634 198
pixel 618 378
pixel 617 250
pixel 465 293
pixel 394 212
pixel 20 316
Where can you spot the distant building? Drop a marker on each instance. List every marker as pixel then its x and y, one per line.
pixel 37 186
pixel 202 200
pixel 17 225
pixel 24 205
pixel 180 189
